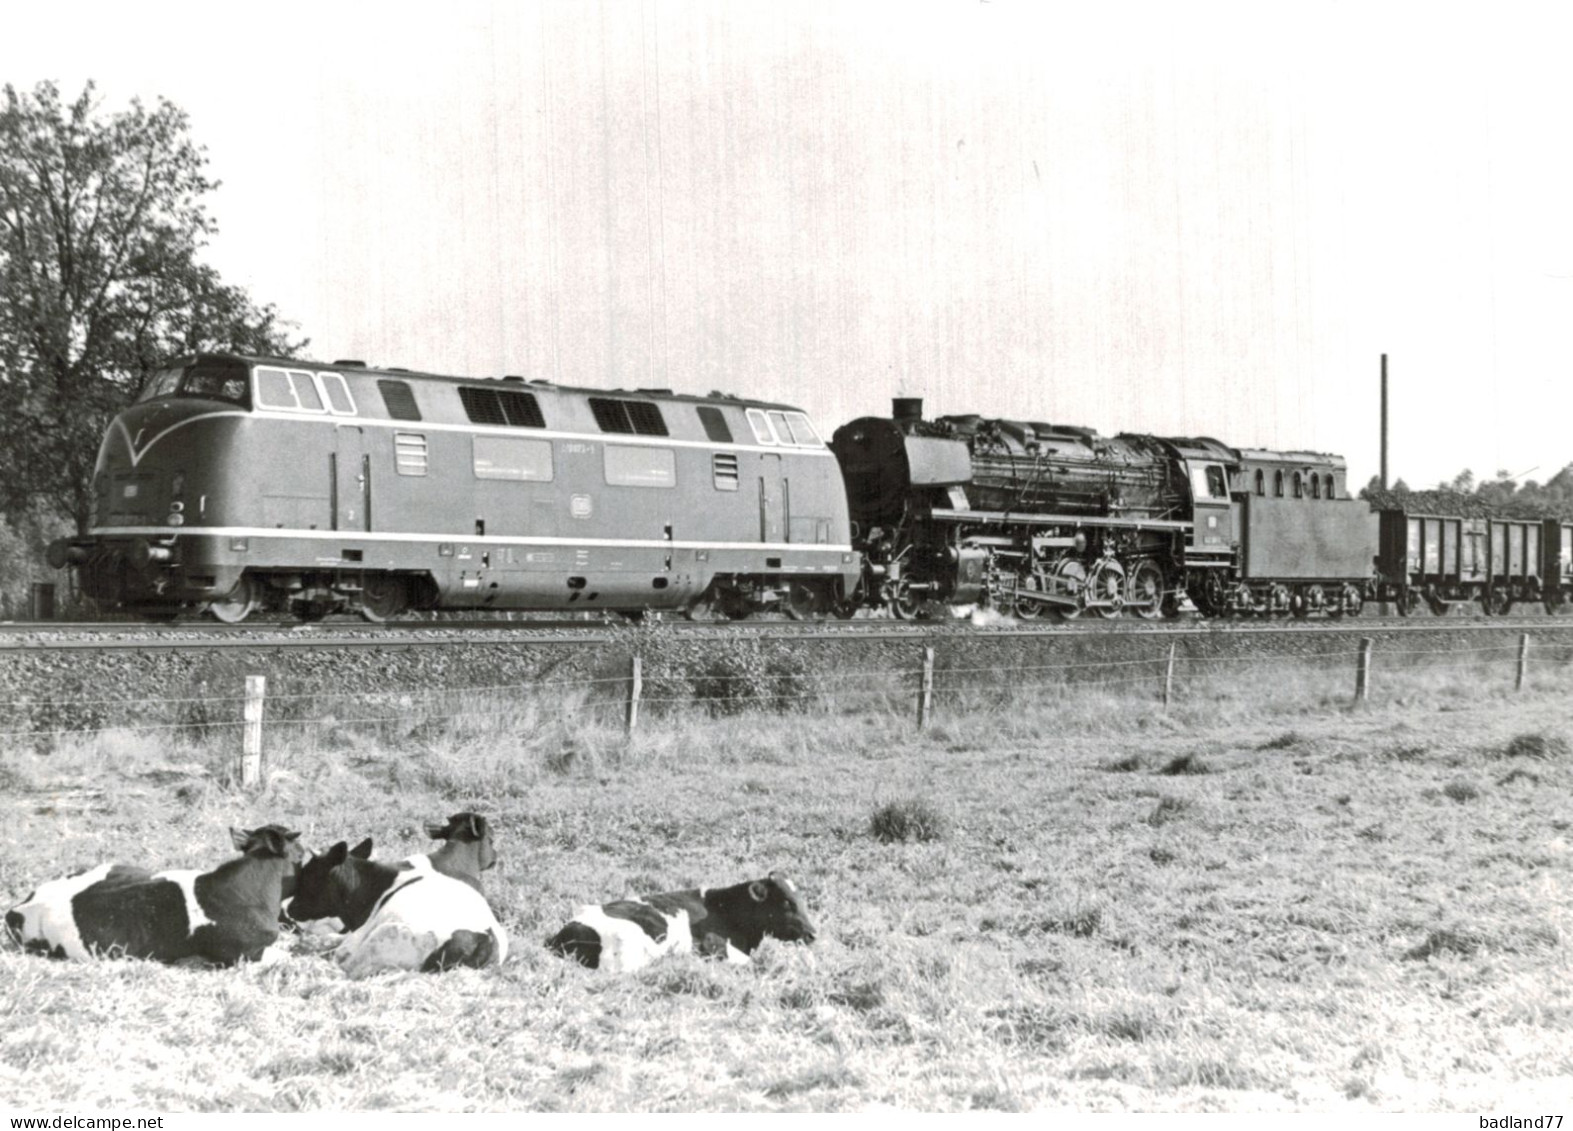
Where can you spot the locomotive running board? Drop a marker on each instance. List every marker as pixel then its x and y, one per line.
pixel 947 514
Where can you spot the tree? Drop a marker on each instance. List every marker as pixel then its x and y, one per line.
pixel 101 223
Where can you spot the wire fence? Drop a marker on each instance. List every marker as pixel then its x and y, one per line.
pixel 927 684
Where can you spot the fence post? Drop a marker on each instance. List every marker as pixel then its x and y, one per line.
pixel 1168 677
pixel 251 741
pixel 1523 662
pixel 926 688
pixel 635 686
pixel 1363 671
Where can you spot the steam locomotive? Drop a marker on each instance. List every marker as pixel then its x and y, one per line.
pixel 1036 518
pixel 237 484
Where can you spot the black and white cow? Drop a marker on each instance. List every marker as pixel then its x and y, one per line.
pixel 406 916
pixel 721 922
pixel 218 917
pixel 467 847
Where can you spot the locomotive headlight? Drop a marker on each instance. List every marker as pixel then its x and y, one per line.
pixel 175 519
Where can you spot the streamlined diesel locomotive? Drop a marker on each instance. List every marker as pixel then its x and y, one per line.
pixel 237 484
pixel 1033 517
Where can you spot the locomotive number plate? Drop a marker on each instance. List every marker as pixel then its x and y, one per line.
pixel 580 506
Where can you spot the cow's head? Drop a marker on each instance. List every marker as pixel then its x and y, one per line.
pixel 326 881
pixel 467 828
pixel 777 909
pixel 269 841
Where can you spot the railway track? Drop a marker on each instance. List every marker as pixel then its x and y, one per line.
pixel 353 633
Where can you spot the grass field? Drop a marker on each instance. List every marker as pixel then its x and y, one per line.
pixel 1081 903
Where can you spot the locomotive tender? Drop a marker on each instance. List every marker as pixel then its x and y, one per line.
pixel 242 483
pixel 1033 517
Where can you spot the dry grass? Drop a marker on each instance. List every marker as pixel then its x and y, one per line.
pixel 1236 906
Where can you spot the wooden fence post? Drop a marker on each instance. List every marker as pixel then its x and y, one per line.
pixel 251 741
pixel 1523 662
pixel 926 688
pixel 635 687
pixel 1363 671
pixel 1168 677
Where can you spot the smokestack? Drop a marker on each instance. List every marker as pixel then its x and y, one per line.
pixel 1384 422
pixel 906 408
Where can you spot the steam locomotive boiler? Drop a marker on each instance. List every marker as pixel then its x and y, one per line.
pixel 1031 517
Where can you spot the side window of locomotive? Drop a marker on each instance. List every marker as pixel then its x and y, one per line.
pixel 409 453
pixel 337 393
pixel 293 390
pixel 640 467
pixel 503 457
pixel 716 427
pixel 803 433
pixel 1261 482
pixel 1299 486
pixel 273 388
pixel 307 398
pixel 1316 487
pixel 760 423
pixel 1278 484
pixel 399 400
pixel 778 424
pixel 1330 490
pixel 723 471
pixel 1207 482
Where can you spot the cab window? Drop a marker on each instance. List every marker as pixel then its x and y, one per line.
pixel 1207 482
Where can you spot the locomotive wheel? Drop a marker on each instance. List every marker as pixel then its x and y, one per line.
pixel 1492 603
pixel 1212 594
pixel 1352 602
pixel 1300 604
pixel 1144 590
pixel 1108 589
pixel 1028 609
pixel 1072 579
pixel 1278 600
pixel 236 605
pixel 382 597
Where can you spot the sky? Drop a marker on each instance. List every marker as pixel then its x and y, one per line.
pixel 1187 219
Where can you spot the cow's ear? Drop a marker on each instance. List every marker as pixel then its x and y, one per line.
pixel 240 837
pixel 757 891
pixel 363 849
pixel 477 825
pixel 436 831
pixel 335 855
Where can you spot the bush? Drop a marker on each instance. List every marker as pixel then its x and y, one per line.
pixel 1536 745
pixel 906 820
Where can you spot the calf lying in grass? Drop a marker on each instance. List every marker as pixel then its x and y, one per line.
pixel 723 922
pixel 117 910
pixel 399 917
